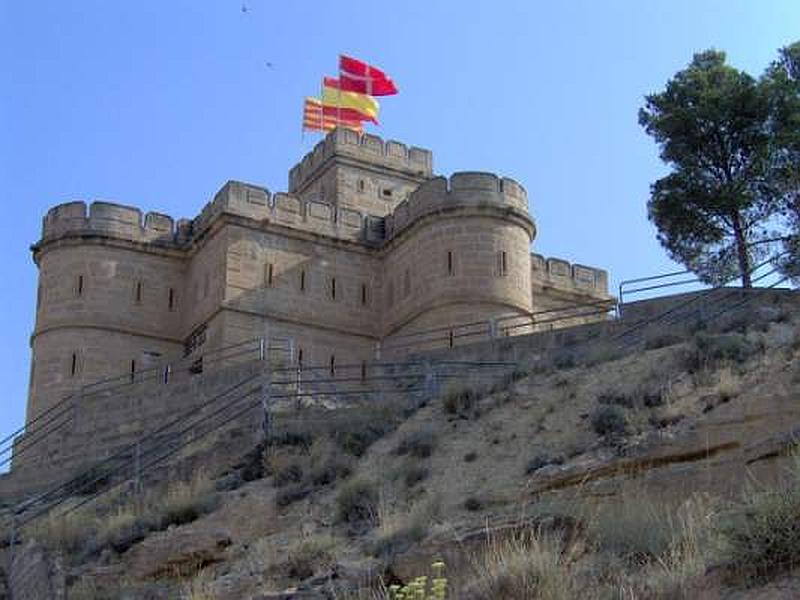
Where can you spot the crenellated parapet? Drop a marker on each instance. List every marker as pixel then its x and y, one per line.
pixel 113 220
pixel 362 147
pixel 253 202
pixel 465 189
pixel 560 274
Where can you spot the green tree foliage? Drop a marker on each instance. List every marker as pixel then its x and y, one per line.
pixel 783 82
pixel 716 210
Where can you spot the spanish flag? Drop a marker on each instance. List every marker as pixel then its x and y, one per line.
pixel 366 106
pixel 315 118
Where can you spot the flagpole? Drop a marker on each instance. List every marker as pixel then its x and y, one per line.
pixel 339 101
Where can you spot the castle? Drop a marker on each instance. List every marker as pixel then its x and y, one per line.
pixel 368 246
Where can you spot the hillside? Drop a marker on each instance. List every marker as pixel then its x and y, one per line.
pixel 666 472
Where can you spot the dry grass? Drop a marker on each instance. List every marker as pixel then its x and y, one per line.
pixel 200 587
pixel 124 520
pixel 399 527
pixel 523 565
pixel 762 533
pixel 309 556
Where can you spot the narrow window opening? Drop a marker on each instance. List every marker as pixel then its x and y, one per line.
pixel 449 262
pixel 363 370
pixel 502 263
pixel 333 288
pixel 363 293
pixel 361 185
pixel 451 339
pixel 79 287
pixel 73 369
pixel 133 370
pixel 300 358
pixel 333 365
pixel 138 292
pixel 302 281
pixel 171 300
pixel 387 193
pixel 268 275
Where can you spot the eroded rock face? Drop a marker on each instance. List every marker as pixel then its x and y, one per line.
pixel 181 551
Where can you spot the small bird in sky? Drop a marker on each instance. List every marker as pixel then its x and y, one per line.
pixel 244 8
pixel 269 64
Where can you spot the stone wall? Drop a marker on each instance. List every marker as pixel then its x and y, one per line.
pixel 100 310
pixel 367 248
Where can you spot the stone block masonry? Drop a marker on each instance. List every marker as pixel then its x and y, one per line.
pixel 368 244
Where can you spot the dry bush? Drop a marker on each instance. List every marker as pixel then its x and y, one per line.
pixel 66 532
pixel 309 556
pixel 418 444
pixel 460 398
pixel 357 502
pixel 399 528
pixel 183 501
pixel 654 340
pixel 708 352
pixel 200 587
pixel 523 565
pixel 762 533
pixel 123 520
pixel 609 421
pixel 602 353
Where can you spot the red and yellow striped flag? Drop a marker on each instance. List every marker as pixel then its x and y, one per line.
pixel 317 117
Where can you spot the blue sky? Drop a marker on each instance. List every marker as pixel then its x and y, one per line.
pixel 156 103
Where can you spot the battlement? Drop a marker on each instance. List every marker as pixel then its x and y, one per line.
pixel 466 188
pixel 115 220
pixel 257 203
pixel 365 148
pixel 560 274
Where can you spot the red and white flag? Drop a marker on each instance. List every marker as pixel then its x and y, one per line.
pixel 357 76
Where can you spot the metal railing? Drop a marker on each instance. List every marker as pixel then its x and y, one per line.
pixel 61 415
pixel 261 392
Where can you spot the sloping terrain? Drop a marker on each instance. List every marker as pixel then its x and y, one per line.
pixel 598 457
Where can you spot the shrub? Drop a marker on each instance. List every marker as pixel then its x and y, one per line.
pixel 602 354
pixel 414 474
pixel 609 421
pixel 289 473
pixel 460 400
pixel 419 444
pixel 184 501
pixel 308 556
pixel 291 494
pixel 762 534
pixel 661 339
pixel 614 398
pixel 637 529
pixel 330 471
pixel 564 360
pixel 542 460
pixel 400 530
pixel 521 566
pixel 357 502
pixel 710 351
pixel 472 504
pixel 355 434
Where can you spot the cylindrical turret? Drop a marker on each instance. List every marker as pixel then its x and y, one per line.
pixel 458 252
pixel 107 298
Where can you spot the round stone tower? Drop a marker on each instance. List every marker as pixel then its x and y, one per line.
pixel 109 292
pixel 458 251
